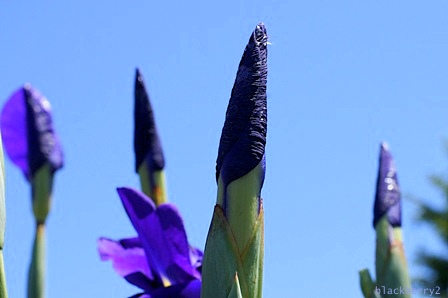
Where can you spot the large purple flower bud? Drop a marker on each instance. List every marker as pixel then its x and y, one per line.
pixel 27 132
pixel 243 138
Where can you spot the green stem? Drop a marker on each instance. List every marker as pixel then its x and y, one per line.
pixel 36 274
pixel 3 291
pixel 153 184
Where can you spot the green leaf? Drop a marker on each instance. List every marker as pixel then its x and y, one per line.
pixel 367 284
pixel 222 258
pixel 391 266
pixel 252 258
pixel 3 291
pixel 235 292
pixel 2 198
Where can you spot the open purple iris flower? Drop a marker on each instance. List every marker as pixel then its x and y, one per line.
pixel 27 132
pixel 159 260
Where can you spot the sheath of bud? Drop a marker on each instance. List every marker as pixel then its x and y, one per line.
pixel 42 184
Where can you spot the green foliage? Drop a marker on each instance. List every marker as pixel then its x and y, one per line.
pixel 223 259
pixel 435 265
pixel 367 284
pixel 235 292
pixel 3 291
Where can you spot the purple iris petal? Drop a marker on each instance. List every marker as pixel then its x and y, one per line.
pixel 160 261
pixel 196 256
pixel 141 295
pixel 131 242
pixel 128 262
pixel 388 198
pixel 163 237
pixel 243 138
pixel 190 289
pixel 14 130
pixel 147 144
pixel 27 131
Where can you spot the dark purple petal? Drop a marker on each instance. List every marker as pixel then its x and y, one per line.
pixel 14 130
pixel 43 143
pixel 388 198
pixel 147 145
pixel 142 281
pixel 141 295
pixel 243 138
pixel 128 262
pixel 190 289
pixel 163 237
pixel 131 242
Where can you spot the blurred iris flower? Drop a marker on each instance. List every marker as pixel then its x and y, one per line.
pixel 32 144
pixel 159 260
pixel 28 134
pixel 390 260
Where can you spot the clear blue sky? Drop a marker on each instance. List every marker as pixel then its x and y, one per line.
pixel 343 76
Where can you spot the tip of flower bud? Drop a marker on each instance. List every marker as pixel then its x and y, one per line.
pixel 260 34
pixel 243 138
pixel 138 78
pixel 388 197
pixel 147 144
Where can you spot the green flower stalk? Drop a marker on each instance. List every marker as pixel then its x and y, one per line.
pixel 32 144
pixel 391 266
pixel 149 159
pixel 42 184
pixel 3 291
pixel 233 258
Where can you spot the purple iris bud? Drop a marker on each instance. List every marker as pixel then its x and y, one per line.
pixel 147 145
pixel 243 138
pixel 388 197
pixel 27 132
pixel 159 260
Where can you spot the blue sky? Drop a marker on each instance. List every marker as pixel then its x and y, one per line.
pixel 343 76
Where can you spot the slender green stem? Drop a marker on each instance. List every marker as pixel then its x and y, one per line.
pixel 3 291
pixel 36 274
